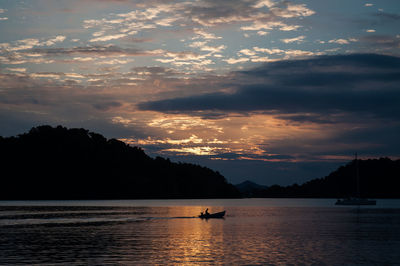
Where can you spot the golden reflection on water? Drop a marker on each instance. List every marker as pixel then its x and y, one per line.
pixel 195 240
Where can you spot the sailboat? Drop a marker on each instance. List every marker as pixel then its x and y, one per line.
pixel 356 200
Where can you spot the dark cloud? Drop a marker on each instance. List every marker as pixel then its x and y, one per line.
pixel 314 118
pixel 105 106
pixel 382 41
pixel 392 17
pixel 137 40
pixel 207 10
pixel 89 50
pixel 329 63
pixel 388 20
pixel 210 13
pixel 158 71
pixel 361 83
pixel 383 140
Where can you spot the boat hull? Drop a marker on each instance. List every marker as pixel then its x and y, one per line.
pixel 212 215
pixel 348 202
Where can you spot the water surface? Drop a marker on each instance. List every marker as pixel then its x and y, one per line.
pixel 159 232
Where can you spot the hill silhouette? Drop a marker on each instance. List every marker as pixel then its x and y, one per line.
pixel 60 163
pixel 379 178
pixel 247 188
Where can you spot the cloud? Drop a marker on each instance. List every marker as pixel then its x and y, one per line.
pixel 1 12
pixel 270 25
pixel 83 59
pixel 107 105
pixel 155 71
pixel 266 3
pixel 300 53
pixel 202 15
pixel 232 61
pixel 55 40
pixel 28 51
pixel 297 39
pixel 45 75
pixel 268 51
pixel 388 17
pixel 262 59
pixel 211 13
pixel 291 10
pixel 74 75
pixel 188 58
pixel 166 22
pixel 204 47
pixel 213 49
pixel 108 38
pixel 26 44
pixel 369 85
pixel 205 35
pixel 20 51
pixel 382 41
pixel 21 45
pixel 94 50
pixel 145 16
pixel 204 18
pixel 342 41
pixel 20 69
pixel 257 54
pixel 48 97
pixel 384 138
pixel 247 52
pixel 197 44
pixel 114 62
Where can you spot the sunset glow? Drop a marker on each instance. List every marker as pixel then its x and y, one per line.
pixel 255 89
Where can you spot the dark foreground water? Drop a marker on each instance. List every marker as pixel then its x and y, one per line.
pixel 254 232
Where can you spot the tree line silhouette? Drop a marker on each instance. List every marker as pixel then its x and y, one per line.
pixel 379 178
pixel 60 163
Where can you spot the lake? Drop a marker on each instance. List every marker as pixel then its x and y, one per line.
pixel 166 232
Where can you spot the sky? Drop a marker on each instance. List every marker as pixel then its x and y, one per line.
pixel 277 92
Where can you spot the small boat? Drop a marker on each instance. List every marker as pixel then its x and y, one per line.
pixel 355 201
pixel 212 215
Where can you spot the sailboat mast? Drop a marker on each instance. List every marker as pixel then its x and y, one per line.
pixel 357 200
pixel 358 178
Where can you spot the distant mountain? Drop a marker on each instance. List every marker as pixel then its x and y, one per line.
pixel 61 163
pixel 379 178
pixel 248 188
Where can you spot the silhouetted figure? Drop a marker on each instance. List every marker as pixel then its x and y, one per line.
pixel 207 213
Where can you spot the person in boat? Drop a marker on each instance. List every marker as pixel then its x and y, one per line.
pixel 204 214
